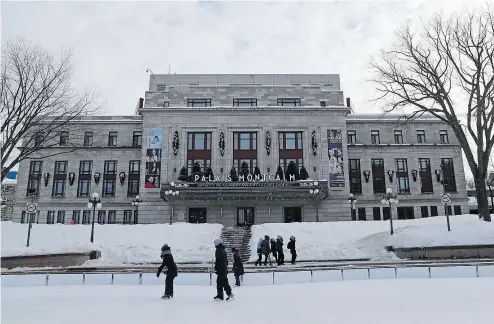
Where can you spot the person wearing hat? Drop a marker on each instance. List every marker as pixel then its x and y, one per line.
pixel 293 250
pixel 171 270
pixel 238 267
pixel 279 247
pixel 221 270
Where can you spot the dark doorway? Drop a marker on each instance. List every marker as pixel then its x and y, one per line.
pixel 386 213
pixel 457 210
pixel 405 213
pixel 425 211
pixel 245 216
pixel 376 213
pixel 293 214
pixel 361 214
pixel 434 211
pixel 197 215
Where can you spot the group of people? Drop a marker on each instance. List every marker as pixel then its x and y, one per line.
pixel 267 246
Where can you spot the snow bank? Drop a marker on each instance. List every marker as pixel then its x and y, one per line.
pixel 352 240
pixel 117 243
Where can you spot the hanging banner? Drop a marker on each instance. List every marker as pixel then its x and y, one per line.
pixel 335 154
pixel 154 149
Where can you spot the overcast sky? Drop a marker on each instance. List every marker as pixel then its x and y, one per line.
pixel 115 42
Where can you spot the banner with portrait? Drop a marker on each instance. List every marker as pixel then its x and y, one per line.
pixel 154 149
pixel 335 155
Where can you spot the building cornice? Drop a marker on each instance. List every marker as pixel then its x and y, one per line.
pixel 246 109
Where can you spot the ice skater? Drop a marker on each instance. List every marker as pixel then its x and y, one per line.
pixel 171 270
pixel 291 247
pixel 259 252
pixel 279 248
pixel 238 268
pixel 221 270
pixel 274 250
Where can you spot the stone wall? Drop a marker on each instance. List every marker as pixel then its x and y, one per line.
pixel 8 197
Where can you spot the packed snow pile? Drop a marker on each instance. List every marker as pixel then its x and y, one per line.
pixel 117 243
pixel 368 239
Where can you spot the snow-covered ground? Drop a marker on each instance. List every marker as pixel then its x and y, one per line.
pixel 368 239
pixel 405 301
pixel 117 243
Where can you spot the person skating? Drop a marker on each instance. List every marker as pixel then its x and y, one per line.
pixel 221 270
pixel 265 249
pixel 274 250
pixel 238 267
pixel 279 248
pixel 171 270
pixel 259 251
pixel 291 247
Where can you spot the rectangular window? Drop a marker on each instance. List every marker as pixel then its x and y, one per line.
pixel 50 217
pixel 34 180
pixel 402 176
pixel 59 179
pixel 61 217
pixel 352 137
pixel 443 137
pixel 206 102
pixel 84 180
pixel 421 137
pixel 291 149
pixel 290 140
pixel 245 102
pixel 425 176
pixel 245 141
pixel 457 210
pixel 64 138
pixel 289 102
pixel 375 137
pixel 83 188
pixel 376 213
pixel 112 217
pixel 134 167
pixel 199 141
pixel 86 217
pixel 38 138
pixel 245 150
pixel 101 216
pixel 199 150
pixel 76 216
pixel 112 138
pixel 424 210
pixel 109 188
pixel 398 135
pixel 137 139
pixel 127 217
pixel 355 177
pixel 448 175
pixel 434 211
pixel 361 214
pixel 88 139
pixel 386 213
pixel 134 176
pixel 378 176
pixel 110 167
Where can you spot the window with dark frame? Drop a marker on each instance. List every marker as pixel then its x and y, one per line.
pixel 351 137
pixel 424 211
pixel 425 175
pixel 443 137
pixel 64 138
pixel 361 214
pixel 59 179
pixel 245 150
pixel 50 217
pixel 245 102
pixel 386 213
pixel 88 139
pixel 112 217
pixel 127 217
pixel 457 209
pixel 199 102
pixel 134 177
pixel 38 138
pixel 61 217
pixel 402 176
pixel 375 137
pixel 34 180
pixel 101 216
pixel 109 178
pixel 198 150
pixel 376 213
pixel 448 175
pixel 421 137
pixel 378 176
pixel 289 102
pixel 398 136
pixel 86 217
pixel 290 149
pixel 76 216
pixel 434 211
pixel 84 179
pixel 137 139
pixel 355 176
pixel 112 138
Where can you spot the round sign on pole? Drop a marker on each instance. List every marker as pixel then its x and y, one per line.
pixel 31 208
pixel 445 198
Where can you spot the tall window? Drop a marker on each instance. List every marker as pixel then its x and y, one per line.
pixel 355 177
pixel 352 137
pixel 291 149
pixel 127 217
pixel 375 137
pixel 64 138
pixel 112 217
pixel 84 182
pixel 61 217
pixel 443 137
pixel 137 139
pixel 245 102
pixel 112 138
pixel 198 150
pixel 289 102
pixel 38 138
pixel 134 175
pixel 86 216
pixel 101 216
pixel 109 178
pixel 448 175
pixel 59 179
pixel 398 135
pixel 421 137
pixel 402 176
pixel 88 139
pixel 376 213
pixel 34 180
pixel 50 217
pixel 206 102
pixel 425 176
pixel 378 176
pixel 76 216
pixel 245 150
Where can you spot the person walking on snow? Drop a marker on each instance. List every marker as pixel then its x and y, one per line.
pixel 291 247
pixel 279 247
pixel 265 249
pixel 221 270
pixel 274 250
pixel 171 270
pixel 238 267
pixel 259 251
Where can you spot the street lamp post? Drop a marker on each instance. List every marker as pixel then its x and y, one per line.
pixel 390 200
pixel 353 202
pixel 172 193
pixel 314 190
pixel 95 203
pixel 136 202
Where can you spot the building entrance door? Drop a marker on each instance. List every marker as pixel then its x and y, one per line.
pixel 293 214
pixel 245 216
pixel 197 215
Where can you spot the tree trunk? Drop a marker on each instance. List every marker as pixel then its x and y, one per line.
pixel 482 202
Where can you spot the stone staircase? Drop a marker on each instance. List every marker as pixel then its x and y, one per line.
pixel 238 237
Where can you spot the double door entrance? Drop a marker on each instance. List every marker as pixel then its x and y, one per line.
pixel 245 216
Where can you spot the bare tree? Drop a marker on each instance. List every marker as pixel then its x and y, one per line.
pixel 426 71
pixel 37 102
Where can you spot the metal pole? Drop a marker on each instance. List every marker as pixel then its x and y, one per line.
pixel 29 229
pixel 317 212
pixel 445 204
pixel 171 214
pixel 390 217
pixel 92 225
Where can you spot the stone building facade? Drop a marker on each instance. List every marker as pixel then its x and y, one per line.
pixel 263 121
pixel 8 200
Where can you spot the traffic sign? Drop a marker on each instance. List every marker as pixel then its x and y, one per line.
pixel 445 198
pixel 31 207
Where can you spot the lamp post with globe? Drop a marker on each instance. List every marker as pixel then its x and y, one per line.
pixel 172 193
pixel 95 203
pixel 353 202
pixel 390 199
pixel 314 190
pixel 136 202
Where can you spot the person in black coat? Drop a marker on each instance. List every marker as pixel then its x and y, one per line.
pixel 274 249
pixel 279 248
pixel 221 270
pixel 238 267
pixel 171 271
pixel 291 247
